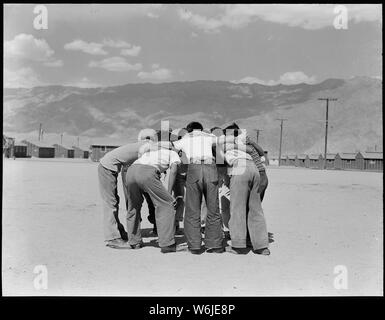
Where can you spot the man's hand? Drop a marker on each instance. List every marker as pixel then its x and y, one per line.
pixel 177 201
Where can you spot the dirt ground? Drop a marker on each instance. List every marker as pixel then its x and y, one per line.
pixel 319 220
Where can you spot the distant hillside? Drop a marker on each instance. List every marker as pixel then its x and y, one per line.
pixel 119 112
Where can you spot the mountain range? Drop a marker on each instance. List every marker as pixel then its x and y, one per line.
pixel 355 119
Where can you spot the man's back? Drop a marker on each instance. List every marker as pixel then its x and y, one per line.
pixel 161 159
pixel 124 155
pixel 197 145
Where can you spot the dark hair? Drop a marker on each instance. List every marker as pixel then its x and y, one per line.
pixel 181 133
pixel 232 128
pixel 194 126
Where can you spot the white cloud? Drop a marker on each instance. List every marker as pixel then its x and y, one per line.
pixel 307 16
pixel 99 48
pixel 93 48
pixel 117 64
pixel 199 21
pixel 54 63
pixel 251 80
pixel 133 52
pixel 27 47
pixel 157 73
pixel 83 83
pixel 116 43
pixel 295 78
pixel 21 78
pixel 288 78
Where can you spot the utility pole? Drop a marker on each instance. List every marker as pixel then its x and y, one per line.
pixel 257 131
pixel 280 141
pixel 78 141
pixel 326 126
pixel 39 132
pixel 61 139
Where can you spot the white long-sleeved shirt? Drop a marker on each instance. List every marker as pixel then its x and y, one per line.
pixel 197 145
pixel 161 159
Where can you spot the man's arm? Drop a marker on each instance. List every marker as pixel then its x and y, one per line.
pixel 257 147
pixel 172 176
pixel 249 149
pixel 221 149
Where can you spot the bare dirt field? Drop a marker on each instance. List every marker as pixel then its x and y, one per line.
pixel 319 220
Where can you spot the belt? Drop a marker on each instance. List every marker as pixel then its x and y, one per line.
pixel 200 161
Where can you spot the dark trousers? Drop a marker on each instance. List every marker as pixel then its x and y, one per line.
pixel 202 180
pixel 151 208
pixel 142 179
pixel 263 184
pixel 179 191
pixel 108 186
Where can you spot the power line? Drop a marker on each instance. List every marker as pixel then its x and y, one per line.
pixel 326 126
pixel 280 141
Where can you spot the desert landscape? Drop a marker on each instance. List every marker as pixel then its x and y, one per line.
pixel 318 219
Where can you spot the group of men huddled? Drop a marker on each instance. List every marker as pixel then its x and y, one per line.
pixel 201 166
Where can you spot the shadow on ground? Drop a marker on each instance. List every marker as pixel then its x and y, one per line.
pixel 180 238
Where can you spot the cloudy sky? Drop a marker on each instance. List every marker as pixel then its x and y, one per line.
pixel 105 45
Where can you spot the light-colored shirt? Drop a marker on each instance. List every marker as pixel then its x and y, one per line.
pixel 123 156
pixel 197 145
pixel 161 159
pixel 236 156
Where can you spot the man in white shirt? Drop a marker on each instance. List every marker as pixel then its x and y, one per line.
pixel 144 176
pixel 201 180
pixel 246 214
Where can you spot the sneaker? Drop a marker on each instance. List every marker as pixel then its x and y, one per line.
pixel 168 249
